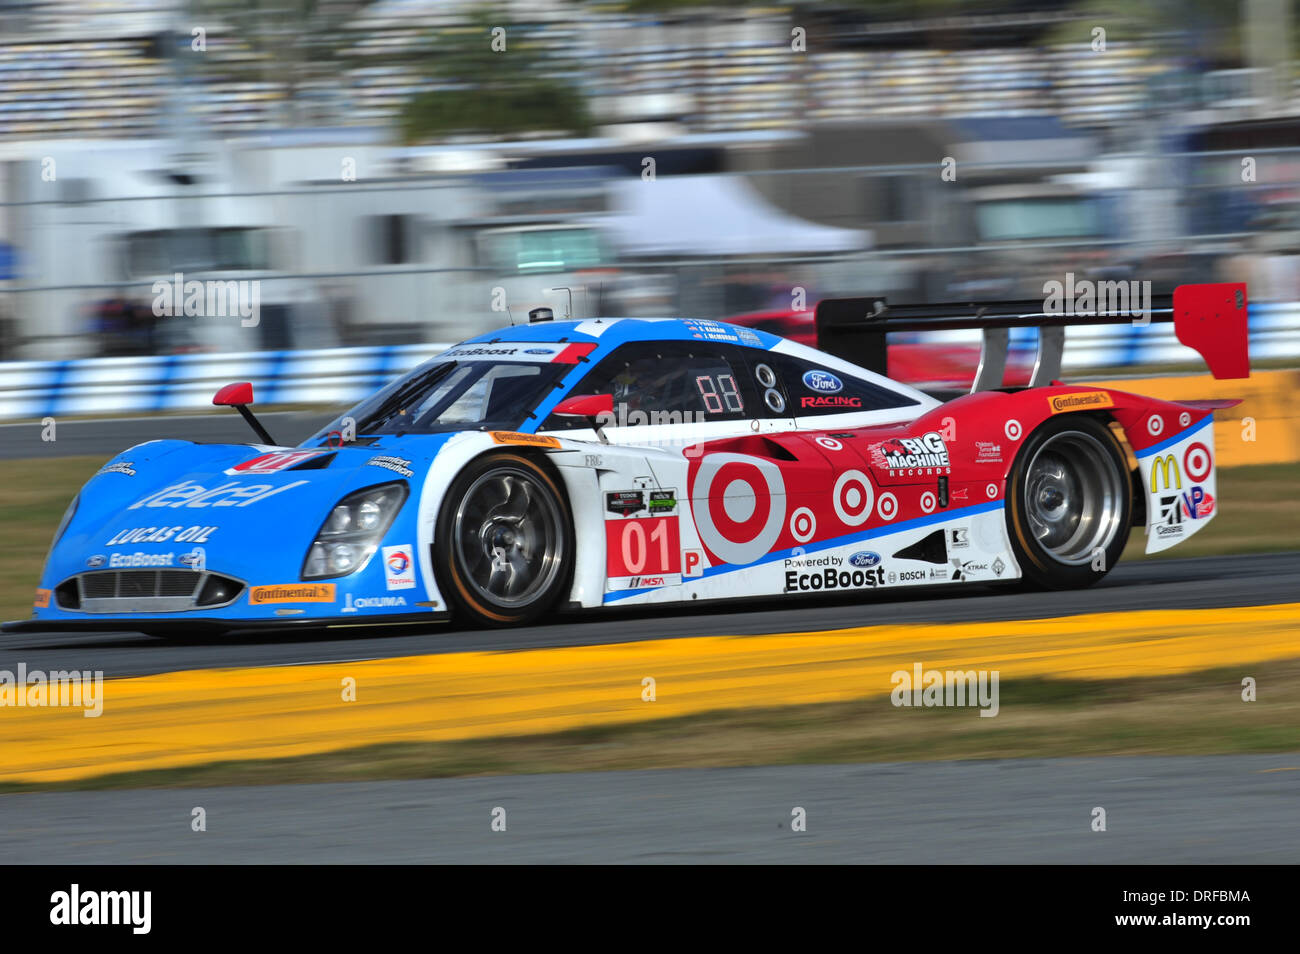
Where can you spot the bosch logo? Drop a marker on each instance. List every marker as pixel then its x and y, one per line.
pixel 823 382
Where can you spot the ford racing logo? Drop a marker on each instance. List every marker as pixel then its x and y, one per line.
pixel 823 382
pixel 865 558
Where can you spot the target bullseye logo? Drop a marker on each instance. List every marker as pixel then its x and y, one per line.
pixel 853 497
pixel 1012 429
pixel 991 490
pixel 928 503
pixel 803 524
pixel 888 507
pixel 1184 419
pixel 1197 462
pixel 740 506
pixel 1155 425
pixel 830 443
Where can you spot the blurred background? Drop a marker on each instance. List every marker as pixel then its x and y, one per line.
pixel 400 174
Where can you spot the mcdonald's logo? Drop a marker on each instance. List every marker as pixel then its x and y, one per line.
pixel 1160 466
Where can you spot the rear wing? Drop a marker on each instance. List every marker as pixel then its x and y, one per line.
pixel 1209 318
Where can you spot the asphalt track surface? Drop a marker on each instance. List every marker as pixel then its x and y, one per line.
pixel 1201 582
pixel 1170 810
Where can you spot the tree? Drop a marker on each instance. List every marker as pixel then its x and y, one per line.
pixel 490 80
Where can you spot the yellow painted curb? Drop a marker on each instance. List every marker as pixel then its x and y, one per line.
pixel 190 718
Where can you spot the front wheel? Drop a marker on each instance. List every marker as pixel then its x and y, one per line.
pixel 504 545
pixel 1069 503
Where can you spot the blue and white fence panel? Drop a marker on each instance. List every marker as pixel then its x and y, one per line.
pixel 144 385
pixel 186 382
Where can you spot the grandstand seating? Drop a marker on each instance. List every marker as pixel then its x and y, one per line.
pixel 734 76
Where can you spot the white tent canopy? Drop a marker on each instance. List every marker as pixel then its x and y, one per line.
pixel 714 215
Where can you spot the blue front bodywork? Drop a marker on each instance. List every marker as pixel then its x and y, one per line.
pixel 145 509
pixel 158 503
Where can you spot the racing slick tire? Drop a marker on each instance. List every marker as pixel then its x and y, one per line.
pixel 1069 503
pixel 503 551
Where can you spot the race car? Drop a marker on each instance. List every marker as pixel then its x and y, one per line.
pixel 579 465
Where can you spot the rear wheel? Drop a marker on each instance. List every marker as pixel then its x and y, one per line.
pixel 504 544
pixel 1069 503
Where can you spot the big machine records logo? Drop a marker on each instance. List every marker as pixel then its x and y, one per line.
pixel 739 504
pixel 925 454
pixel 399 568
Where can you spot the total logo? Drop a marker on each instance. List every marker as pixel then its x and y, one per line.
pixel 399 568
pixel 351 604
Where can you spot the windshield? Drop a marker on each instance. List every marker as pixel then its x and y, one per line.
pixel 454 396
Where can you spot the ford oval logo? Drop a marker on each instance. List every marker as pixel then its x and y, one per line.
pixel 539 351
pixel 865 558
pixel 823 382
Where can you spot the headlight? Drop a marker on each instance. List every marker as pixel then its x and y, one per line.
pixel 351 533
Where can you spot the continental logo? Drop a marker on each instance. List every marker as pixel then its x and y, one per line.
pixel 1163 467
pixel 42 599
pixel 1079 402
pixel 291 593
pixel 531 440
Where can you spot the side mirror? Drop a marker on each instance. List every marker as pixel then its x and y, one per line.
pixel 584 405
pixel 239 395
pixel 234 395
pixel 591 406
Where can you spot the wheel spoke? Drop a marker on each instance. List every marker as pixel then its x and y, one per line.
pixel 1072 495
pixel 507 535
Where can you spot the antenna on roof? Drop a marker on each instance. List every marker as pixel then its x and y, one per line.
pixel 568 315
